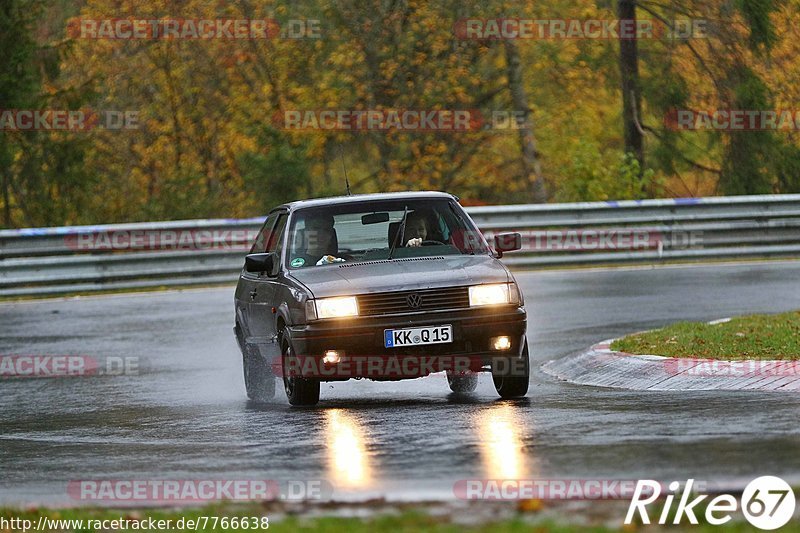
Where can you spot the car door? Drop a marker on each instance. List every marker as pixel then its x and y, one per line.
pixel 246 287
pixel 262 295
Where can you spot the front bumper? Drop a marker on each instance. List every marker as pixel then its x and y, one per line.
pixel 361 340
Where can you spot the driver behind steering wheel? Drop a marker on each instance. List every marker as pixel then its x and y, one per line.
pixel 417 228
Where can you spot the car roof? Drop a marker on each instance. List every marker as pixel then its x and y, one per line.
pixel 356 198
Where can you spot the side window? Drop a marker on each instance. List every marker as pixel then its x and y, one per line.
pixel 275 243
pixel 260 246
pixel 276 237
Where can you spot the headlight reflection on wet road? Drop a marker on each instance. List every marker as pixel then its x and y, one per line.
pixel 501 443
pixel 348 459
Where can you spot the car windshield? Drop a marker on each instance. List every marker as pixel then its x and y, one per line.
pixel 367 231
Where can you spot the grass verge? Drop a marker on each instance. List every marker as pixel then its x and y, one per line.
pixel 756 337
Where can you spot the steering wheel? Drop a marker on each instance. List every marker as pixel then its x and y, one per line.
pixel 432 242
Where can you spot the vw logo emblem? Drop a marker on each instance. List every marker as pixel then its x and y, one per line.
pixel 414 300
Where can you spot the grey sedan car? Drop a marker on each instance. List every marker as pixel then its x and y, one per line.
pixel 380 286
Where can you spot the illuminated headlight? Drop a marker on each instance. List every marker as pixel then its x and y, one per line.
pixel 337 307
pixel 332 357
pixel 494 294
pixel 500 343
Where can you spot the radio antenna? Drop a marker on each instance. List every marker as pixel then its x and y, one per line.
pixel 344 167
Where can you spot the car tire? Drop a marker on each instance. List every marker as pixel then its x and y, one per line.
pixel 259 381
pixel 299 391
pixel 462 382
pixel 506 382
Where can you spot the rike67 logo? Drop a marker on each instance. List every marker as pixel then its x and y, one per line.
pixel 767 502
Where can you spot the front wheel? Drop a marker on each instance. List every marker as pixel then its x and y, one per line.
pixel 511 376
pixel 299 390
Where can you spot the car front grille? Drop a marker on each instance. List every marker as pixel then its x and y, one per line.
pixel 388 303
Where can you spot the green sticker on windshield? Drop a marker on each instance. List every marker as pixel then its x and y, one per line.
pixel 298 262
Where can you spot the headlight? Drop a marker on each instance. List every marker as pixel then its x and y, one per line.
pixel 494 294
pixel 337 307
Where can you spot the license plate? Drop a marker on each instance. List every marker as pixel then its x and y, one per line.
pixel 416 336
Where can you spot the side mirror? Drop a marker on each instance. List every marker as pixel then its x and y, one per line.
pixel 257 263
pixel 507 242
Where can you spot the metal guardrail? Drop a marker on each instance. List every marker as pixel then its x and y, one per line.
pixel 193 252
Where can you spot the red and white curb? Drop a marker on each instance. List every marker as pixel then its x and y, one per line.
pixel 600 366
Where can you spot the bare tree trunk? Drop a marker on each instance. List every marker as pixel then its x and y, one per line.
pixel 629 74
pixel 530 156
pixel 5 174
pixel 6 198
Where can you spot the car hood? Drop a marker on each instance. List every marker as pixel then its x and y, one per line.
pixel 401 274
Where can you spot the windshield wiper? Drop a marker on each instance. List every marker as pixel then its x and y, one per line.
pixel 400 231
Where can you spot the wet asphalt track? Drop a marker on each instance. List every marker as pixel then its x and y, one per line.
pixel 185 416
